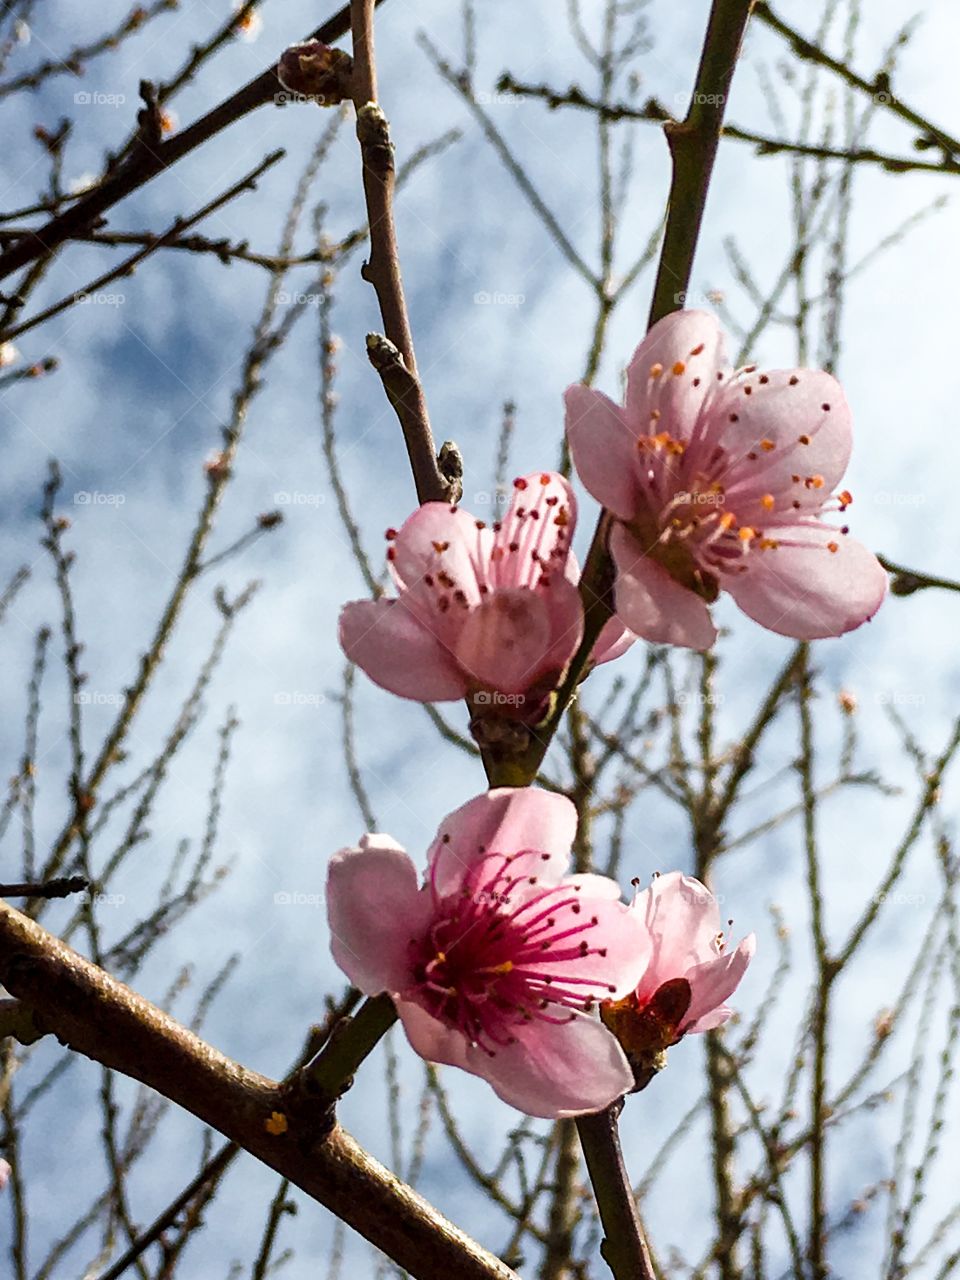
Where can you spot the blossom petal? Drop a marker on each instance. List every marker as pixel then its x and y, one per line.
pixel 432 1039
pixel 673 374
pixel 565 610
pixel 502 642
pixel 711 984
pixel 683 920
pixel 603 448
pixel 553 1070
pixel 505 820
pixel 786 434
pixel 651 603
pixel 537 526
pixel 802 589
pixel 613 641
pixel 617 946
pixel 398 653
pixel 374 908
pixel 440 537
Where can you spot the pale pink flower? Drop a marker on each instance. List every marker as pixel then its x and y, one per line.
pixel 5 1172
pixel 689 975
pixel 480 609
pixel 496 964
pixel 718 480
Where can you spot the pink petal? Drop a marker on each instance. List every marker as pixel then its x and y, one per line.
pixel 502 641
pixel 565 610
pixel 5 1172
pixel 805 591
pixel 683 919
pixel 651 603
pixel 398 653
pixel 374 909
pixel 432 1039
pixel 763 435
pixel 612 642
pixel 554 1071
pixel 505 820
pixel 603 448
pixel 542 513
pixel 671 400
pixel 437 537
pixel 618 944
pixel 713 982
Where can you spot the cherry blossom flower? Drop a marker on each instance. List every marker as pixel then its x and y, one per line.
pixel 489 612
pixel 5 1172
pixel 689 974
pixel 496 964
pixel 718 480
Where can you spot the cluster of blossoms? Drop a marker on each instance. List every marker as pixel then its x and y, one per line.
pixel 547 984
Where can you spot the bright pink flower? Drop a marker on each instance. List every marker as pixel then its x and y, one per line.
pixel 718 480
pixel 498 961
pixel 689 974
pixel 480 609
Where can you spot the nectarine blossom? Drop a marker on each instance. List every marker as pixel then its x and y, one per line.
pixel 689 975
pixel 497 962
pixel 718 479
pixel 488 610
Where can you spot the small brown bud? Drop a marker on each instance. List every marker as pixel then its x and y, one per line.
pixel 315 71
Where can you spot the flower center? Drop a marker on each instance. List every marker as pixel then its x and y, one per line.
pixel 505 951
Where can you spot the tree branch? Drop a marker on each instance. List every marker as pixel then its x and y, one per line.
pixel 93 1014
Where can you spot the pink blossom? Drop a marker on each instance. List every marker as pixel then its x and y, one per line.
pixel 5 1172
pixel 496 964
pixel 480 610
pixel 689 973
pixel 719 480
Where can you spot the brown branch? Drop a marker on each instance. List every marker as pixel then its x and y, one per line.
pixel 392 357
pixel 878 88
pixel 146 160
pixel 61 887
pixel 128 266
pixel 653 112
pixel 93 1014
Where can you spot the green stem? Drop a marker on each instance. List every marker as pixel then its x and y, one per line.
pixel 326 1076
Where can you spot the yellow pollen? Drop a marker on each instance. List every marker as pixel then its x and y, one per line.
pixel 440 547
pixel 656 370
pixel 441 957
pixel 845 498
pixel 767 502
pixel 768 544
pixel 654 415
pixel 833 548
pixel 767 445
pixel 817 482
pixel 277 1124
pixel 678 368
pixel 747 534
pixel 727 520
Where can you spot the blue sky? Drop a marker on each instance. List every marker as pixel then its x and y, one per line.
pixel 145 385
